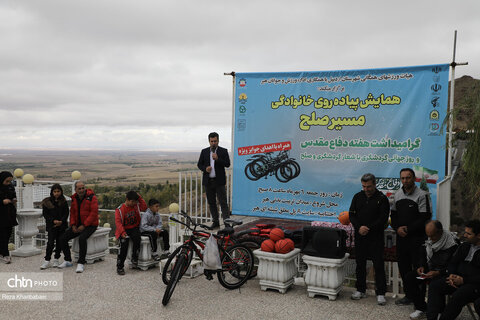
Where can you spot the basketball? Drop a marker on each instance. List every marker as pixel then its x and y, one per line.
pixel 276 234
pixel 344 218
pixel 268 246
pixel 283 246
pixel 291 243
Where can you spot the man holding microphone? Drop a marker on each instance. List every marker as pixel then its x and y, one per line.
pixel 212 163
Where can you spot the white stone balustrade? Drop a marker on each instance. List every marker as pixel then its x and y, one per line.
pixel 27 229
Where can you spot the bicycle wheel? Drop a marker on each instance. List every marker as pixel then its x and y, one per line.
pixel 167 271
pixel 237 266
pixel 180 264
pixel 253 243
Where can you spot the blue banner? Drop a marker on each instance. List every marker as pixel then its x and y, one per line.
pixel 302 140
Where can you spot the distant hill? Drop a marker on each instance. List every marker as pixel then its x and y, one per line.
pixel 464 87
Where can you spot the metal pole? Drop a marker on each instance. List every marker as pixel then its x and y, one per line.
pixel 450 117
pixel 230 192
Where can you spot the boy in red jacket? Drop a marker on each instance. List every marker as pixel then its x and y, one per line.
pixel 127 221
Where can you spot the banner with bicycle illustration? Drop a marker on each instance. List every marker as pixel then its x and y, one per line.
pixel 302 140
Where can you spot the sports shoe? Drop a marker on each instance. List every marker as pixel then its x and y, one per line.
pixel 215 225
pixel 357 295
pixel 121 271
pixel 80 268
pixel 45 264
pixel 56 263
pixel 156 257
pixel 65 264
pixel 403 302
pixel 418 314
pixel 381 300
pixel 7 259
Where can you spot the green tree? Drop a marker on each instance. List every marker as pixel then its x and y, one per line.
pixel 469 109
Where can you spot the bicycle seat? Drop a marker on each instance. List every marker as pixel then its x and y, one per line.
pixel 233 222
pixel 227 231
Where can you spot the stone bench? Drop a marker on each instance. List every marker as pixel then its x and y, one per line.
pixel 97 246
pixel 145 260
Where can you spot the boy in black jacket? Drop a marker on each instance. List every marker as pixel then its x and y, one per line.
pixel 55 212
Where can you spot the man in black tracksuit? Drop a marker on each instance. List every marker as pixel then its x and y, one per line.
pixel 410 212
pixel 369 214
pixel 463 280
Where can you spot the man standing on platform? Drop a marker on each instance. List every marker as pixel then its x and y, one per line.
pixel 212 163
pixel 410 212
pixel 369 215
pixel 83 223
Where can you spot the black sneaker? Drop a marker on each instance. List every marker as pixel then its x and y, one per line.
pixel 121 271
pixel 403 302
pixel 215 225
pixel 156 257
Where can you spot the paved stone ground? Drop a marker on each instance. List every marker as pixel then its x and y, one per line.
pixel 99 293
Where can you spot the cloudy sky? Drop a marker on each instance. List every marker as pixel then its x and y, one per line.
pixel 117 74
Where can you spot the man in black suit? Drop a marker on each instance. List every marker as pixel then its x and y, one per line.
pixel 213 162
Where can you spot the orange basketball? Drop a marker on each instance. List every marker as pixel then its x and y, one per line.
pixel 283 246
pixel 291 243
pixel 268 246
pixel 344 218
pixel 277 234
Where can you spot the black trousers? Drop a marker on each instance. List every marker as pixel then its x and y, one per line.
pixel 408 249
pixel 372 250
pixel 152 236
pixel 5 234
pixel 477 306
pixel 54 241
pixel 215 191
pixel 82 242
pixel 133 234
pixel 439 289
pixel 415 290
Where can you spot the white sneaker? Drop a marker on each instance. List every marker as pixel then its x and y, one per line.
pixel 381 300
pixel 357 295
pixel 80 268
pixel 45 265
pixel 7 259
pixel 56 263
pixel 418 314
pixel 65 264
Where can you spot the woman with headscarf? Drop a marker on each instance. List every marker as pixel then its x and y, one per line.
pixel 55 212
pixel 8 213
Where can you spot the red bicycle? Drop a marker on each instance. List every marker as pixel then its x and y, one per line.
pixel 236 260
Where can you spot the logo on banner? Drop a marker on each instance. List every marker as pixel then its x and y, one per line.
pixel 434 127
pixel 241 124
pixel 242 98
pixel 242 109
pixel 435 102
pixel 436 87
pixel 242 82
pixel 436 69
pixel 434 115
